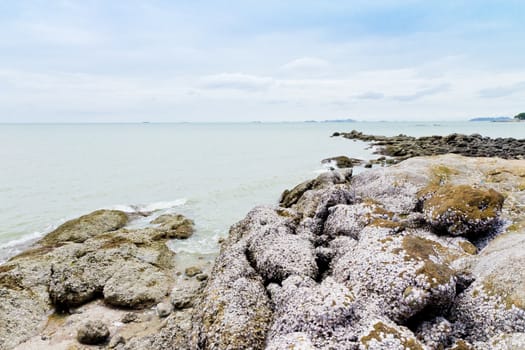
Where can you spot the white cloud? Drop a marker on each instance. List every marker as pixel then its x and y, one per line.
pixel 236 81
pixel 308 66
pixel 502 91
pixel 370 95
pixel 423 93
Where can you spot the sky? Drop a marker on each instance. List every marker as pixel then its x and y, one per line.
pixel 272 60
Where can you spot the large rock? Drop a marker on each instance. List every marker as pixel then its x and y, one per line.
pixel 462 210
pixel 86 226
pixel 235 311
pixel 174 226
pixel 85 259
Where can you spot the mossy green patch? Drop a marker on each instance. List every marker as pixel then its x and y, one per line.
pixel 421 249
pixel 381 330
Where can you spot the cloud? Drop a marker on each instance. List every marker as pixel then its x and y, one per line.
pixel 422 93
pixel 236 81
pixel 370 95
pixel 307 66
pixel 502 91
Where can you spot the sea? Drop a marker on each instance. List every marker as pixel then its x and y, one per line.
pixel 213 173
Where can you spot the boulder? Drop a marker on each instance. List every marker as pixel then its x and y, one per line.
pixel 93 333
pixel 80 229
pixel 84 259
pixel 462 210
pixel 174 226
pixel 342 161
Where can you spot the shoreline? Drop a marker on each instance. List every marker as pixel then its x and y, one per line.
pixel 286 257
pixel 420 253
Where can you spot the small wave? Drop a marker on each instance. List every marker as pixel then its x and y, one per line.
pixel 20 241
pixel 150 206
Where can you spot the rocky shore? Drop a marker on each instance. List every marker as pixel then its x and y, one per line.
pixel 426 254
pixel 402 147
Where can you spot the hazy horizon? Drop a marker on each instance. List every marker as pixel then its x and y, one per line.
pixel 69 61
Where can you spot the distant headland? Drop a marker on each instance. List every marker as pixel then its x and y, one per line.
pixel 519 117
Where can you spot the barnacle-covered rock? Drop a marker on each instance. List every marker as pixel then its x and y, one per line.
pixel 462 210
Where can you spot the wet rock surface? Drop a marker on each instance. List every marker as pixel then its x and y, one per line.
pixel 402 147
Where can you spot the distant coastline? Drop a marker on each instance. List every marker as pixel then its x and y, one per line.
pixel 492 119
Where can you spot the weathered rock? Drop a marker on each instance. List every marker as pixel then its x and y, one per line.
pixel 402 146
pixel 385 335
pixel 126 268
pixel 462 210
pixel 403 274
pixel 130 317
pixel 116 341
pixel 291 197
pixel 342 161
pixel 92 333
pixel 494 303
pixel 174 226
pixel 136 286
pixel 201 277
pixel 192 271
pixel 349 263
pixel 163 309
pixel 80 229
pixel 324 313
pixel 235 311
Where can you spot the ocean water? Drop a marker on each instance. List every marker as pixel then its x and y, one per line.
pixel 212 173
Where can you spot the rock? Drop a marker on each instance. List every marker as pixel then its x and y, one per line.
pixel 126 268
pixel 291 197
pixel 279 254
pixel 462 210
pixel 385 335
pixel 175 226
pixel 116 341
pixel 136 286
pixel 163 309
pixel 494 303
pixel 323 313
pixel 112 267
pixel 363 271
pixel 405 274
pixel 234 310
pixel 192 271
pixel 402 147
pixel 93 333
pixel 344 262
pixel 342 161
pixel 183 297
pixel 129 317
pixel 80 229
pixel 201 277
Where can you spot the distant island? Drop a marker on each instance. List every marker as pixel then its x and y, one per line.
pixel 491 119
pixel 520 116
pixel 348 120
pixel 517 118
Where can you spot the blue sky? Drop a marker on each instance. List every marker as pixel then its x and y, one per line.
pixel 107 61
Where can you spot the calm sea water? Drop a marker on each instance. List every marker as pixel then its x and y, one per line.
pixel 213 173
